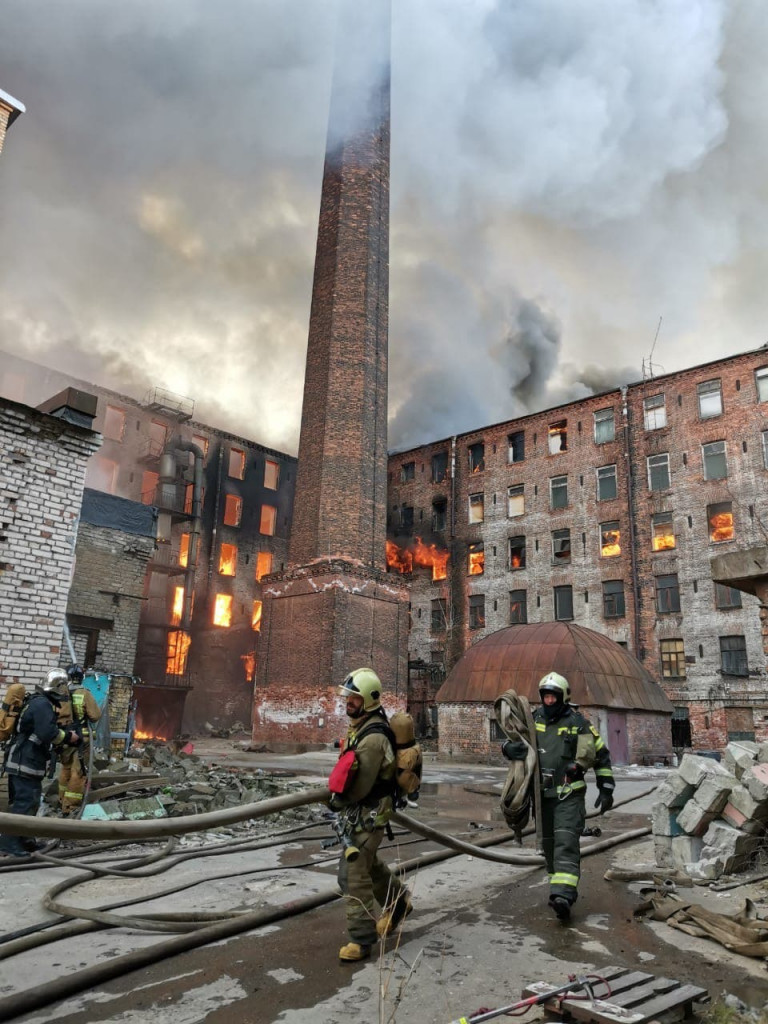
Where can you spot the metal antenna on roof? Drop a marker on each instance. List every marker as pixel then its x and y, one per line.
pixel 648 373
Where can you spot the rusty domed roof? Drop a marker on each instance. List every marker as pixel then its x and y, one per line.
pixel 600 672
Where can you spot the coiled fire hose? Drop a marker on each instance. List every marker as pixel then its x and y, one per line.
pixel 45 995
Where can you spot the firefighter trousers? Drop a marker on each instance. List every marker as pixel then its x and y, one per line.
pixel 72 779
pixel 562 825
pixel 364 882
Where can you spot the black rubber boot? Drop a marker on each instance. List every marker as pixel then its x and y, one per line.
pixel 561 907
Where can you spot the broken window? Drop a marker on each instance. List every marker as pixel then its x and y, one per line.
pixel 439 510
pixel 476 559
pixel 476 453
pixel 672 659
pixel 733 656
pixel 605 426
pixel 406 519
pixel 439 467
pixel 256 616
pixel 439 619
pixel 271 475
pixel 558 492
pixel 516 447
pixel 662 532
pixel 177 609
pixel 263 564
pixel 184 550
pixel 148 486
pixel 202 444
pixel 516 500
pixel 727 597
pixel 613 599
pixel 720 521
pixel 268 520
pixel 561 546
pixel 158 435
pixel 761 383
pixel 658 472
pixel 228 559
pixel 654 412
pixel 178 648
pixel 114 423
pixel 610 539
pixel 710 395
pixel 681 728
pixel 102 476
pixel 477 611
pixel 476 508
pixel 667 594
pixel 558 437
pixel 237 463
pixel 222 610
pixel 518 607
pixel 606 483
pixel 715 461
pixel 233 510
pixel 407 472
pixel 517 552
pixel 563 603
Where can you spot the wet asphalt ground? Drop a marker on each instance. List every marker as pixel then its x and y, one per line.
pixel 480 932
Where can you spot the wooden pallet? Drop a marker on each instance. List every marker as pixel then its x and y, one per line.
pixel 633 998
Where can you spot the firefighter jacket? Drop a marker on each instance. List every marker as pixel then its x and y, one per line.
pixel 37 731
pixel 569 739
pixel 84 711
pixel 373 781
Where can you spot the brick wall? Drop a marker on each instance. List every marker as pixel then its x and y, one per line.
pixel 41 484
pixel 109 585
pixel 4 115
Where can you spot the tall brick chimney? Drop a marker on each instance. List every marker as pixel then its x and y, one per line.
pixel 336 608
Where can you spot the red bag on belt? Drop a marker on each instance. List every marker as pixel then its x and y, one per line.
pixel 341 776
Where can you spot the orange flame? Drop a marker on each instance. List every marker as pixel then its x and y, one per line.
pixel 184 550
pixel 610 544
pixel 256 617
pixel 222 610
pixel 428 555
pixel 178 606
pixel 721 526
pixel 663 542
pixel 227 559
pixel 138 734
pixel 178 647
pixel 476 563
pixel 249 664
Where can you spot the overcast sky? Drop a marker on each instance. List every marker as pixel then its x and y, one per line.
pixel 564 174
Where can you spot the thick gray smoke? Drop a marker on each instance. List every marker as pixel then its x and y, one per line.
pixel 562 176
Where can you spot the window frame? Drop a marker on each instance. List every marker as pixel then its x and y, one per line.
pixel 761 374
pixel 407 471
pixel 519 548
pixel 704 389
pixel 715 509
pixel 605 419
pixel 558 429
pixel 268 559
pixel 673 592
pixel 476 508
pixel 675 659
pixel 518 495
pixel 231 550
pixel 708 457
pixel 513 447
pixel 438 622
pixel 722 590
pixel 561 537
pixel 561 487
pixel 111 412
pixel 610 526
pixel 439 467
pixel 565 591
pixel 522 603
pixel 476 611
pixel 273 475
pixel 268 517
pixel 476 458
pixel 476 548
pixel 731 654
pixel 607 477
pixel 237 462
pixel 614 599
pixel 655 469
pixel 651 416
pixel 235 502
pixel 657 519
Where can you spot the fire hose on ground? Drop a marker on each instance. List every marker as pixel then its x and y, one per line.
pixel 71 984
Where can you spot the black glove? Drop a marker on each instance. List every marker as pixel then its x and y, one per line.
pixel 604 799
pixel 336 802
pixel 73 739
pixel 574 772
pixel 514 750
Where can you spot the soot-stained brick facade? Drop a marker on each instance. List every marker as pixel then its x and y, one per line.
pixel 607 512
pixel 42 471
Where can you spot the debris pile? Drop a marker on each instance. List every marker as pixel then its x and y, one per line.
pixel 710 818
pixel 158 782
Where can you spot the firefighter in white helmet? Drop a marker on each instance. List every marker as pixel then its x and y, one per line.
pixel 568 745
pixel 365 807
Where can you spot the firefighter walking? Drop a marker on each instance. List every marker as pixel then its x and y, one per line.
pixel 567 746
pixel 79 713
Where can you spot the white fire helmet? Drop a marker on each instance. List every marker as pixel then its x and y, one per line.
pixel 553 682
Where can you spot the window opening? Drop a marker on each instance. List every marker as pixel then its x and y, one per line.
pixel 662 532
pixel 476 508
pixel 268 520
pixel 516 501
pixel 667 594
pixel 263 564
pixel 558 492
pixel 561 546
pixel 271 475
pixel 228 559
pixel 476 454
pixel 727 597
pixel 605 426
pixel 672 659
pixel 654 412
pixel 658 472
pixel 733 656
pixel 517 552
pixel 222 610
pixel 715 461
pixel 518 607
pixel 610 539
pixel 606 483
pixel 710 397
pixel 114 423
pixel 476 559
pixel 557 437
pixel 613 599
pixel 233 510
pixel 477 611
pixel 516 447
pixel 720 521
pixel 563 603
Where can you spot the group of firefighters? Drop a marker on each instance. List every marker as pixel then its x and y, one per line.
pixel 58 716
pixel 52 724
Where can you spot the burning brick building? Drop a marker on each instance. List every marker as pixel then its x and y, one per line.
pixel 609 512
pixel 245 505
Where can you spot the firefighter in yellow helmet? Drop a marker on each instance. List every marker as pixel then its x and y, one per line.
pixel 568 745
pixel 365 807
pixel 78 713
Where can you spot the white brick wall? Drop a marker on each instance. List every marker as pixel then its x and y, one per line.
pixel 42 473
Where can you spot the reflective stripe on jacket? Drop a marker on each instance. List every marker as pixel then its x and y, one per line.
pixel 570 739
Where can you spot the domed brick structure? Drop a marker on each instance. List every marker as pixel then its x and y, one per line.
pixel 611 687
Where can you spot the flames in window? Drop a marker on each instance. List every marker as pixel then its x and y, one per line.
pixel 664 541
pixel 249 664
pixel 476 560
pixel 178 606
pixel 721 526
pixel 256 616
pixel 184 550
pixel 222 610
pixel 610 542
pixel 178 647
pixel 428 555
pixel 227 559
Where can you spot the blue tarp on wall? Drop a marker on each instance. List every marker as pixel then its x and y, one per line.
pixel 101 509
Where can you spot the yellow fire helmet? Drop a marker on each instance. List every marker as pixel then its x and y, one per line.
pixel 363 682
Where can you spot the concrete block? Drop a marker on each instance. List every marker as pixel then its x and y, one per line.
pixel 705 869
pixel 762 752
pixel 694 820
pixel 725 840
pixel 674 792
pixel 662 851
pixel 686 849
pixel 694 769
pixel 756 781
pixel 664 822
pixel 739 757
pixel 712 795
pixel 742 800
